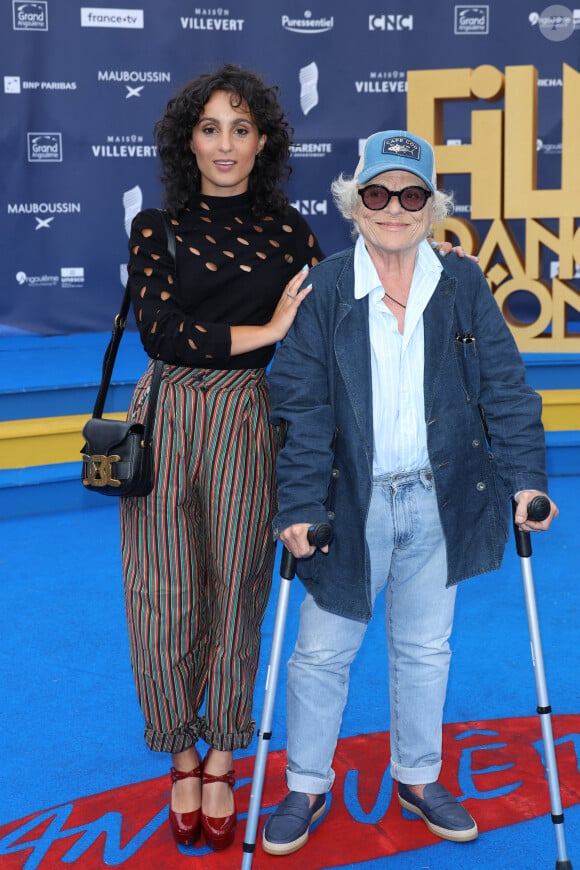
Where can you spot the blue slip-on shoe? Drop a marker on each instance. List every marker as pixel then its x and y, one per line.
pixel 287 828
pixel 440 811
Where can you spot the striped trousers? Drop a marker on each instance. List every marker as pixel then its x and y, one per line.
pixel 198 556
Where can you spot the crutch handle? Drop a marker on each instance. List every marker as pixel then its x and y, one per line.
pixel 538 509
pixel 319 536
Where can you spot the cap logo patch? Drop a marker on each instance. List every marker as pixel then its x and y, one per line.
pixel 401 146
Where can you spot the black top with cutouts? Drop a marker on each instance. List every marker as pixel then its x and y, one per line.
pixel 231 271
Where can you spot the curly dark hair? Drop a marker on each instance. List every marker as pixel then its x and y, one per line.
pixel 180 174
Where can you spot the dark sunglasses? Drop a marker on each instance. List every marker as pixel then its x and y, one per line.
pixel 376 197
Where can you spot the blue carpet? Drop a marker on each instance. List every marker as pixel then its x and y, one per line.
pixel 72 728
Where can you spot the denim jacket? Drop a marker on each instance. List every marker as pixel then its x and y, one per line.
pixel 484 433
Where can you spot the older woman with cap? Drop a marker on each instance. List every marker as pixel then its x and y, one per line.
pixel 396 381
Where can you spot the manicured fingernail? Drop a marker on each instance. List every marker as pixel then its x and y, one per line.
pixel 309 287
pixel 434 244
pixel 305 267
pixel 442 252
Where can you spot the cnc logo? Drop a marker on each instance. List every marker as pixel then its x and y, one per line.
pixel 310 207
pixel 127 18
pixel 30 16
pixel 44 147
pixel 471 21
pixel 390 22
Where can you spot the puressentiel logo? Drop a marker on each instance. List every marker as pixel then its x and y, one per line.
pixel 30 16
pixel 44 147
pixel 95 17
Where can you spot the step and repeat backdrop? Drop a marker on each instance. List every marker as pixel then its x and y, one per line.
pixel 495 87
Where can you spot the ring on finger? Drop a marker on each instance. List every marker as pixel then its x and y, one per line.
pixel 291 295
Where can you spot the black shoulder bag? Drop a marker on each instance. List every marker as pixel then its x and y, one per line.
pixel 118 455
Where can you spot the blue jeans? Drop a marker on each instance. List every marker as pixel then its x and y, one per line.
pixel 407 555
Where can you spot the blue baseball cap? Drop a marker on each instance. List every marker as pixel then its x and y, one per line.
pixel 397 149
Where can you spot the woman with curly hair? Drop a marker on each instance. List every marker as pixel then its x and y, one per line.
pixel 198 552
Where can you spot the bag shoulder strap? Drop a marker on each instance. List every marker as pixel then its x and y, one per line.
pixel 117 334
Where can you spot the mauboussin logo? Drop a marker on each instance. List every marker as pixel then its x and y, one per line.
pixel 44 147
pixel 30 16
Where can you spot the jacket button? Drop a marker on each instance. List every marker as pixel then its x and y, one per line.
pixel 481 486
pixel 330 515
pixel 335 473
pixel 476 442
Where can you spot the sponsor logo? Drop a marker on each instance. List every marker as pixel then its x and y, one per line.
pixel 389 82
pixel 471 21
pixel 134 80
pixel 550 83
pixel 390 22
pixel 43 212
pixel 307 24
pixel 11 84
pixel 44 147
pixel 555 270
pixel 96 17
pixel 461 209
pixel 556 22
pixel 308 77
pixel 15 85
pixel 123 147
pixel 310 149
pixel 25 280
pixel 550 148
pixel 72 276
pixel 30 16
pixel 453 141
pixel 218 20
pixel 496 767
pixel 310 207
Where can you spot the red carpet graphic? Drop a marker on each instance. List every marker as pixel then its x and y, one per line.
pixel 495 766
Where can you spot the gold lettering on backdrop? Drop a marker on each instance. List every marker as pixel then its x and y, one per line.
pixel 501 161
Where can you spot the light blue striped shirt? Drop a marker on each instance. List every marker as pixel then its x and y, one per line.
pixel 397 362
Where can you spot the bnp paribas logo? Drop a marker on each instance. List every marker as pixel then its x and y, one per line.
pixel 30 16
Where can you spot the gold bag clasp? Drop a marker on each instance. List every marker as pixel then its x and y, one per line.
pixel 100 470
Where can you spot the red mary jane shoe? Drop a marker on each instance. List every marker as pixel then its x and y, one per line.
pixel 185 827
pixel 219 833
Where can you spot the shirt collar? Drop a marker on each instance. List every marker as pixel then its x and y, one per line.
pixel 366 278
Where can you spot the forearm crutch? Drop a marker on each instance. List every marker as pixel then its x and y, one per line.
pixel 319 536
pixel 539 509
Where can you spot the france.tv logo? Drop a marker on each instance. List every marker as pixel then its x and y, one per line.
pixel 30 16
pixel 44 147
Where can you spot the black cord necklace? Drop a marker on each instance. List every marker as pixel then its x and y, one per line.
pixel 392 298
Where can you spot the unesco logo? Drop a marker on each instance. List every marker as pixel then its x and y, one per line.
pixel 30 16
pixel 44 147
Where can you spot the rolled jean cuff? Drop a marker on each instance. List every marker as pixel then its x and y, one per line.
pixel 415 775
pixel 309 784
